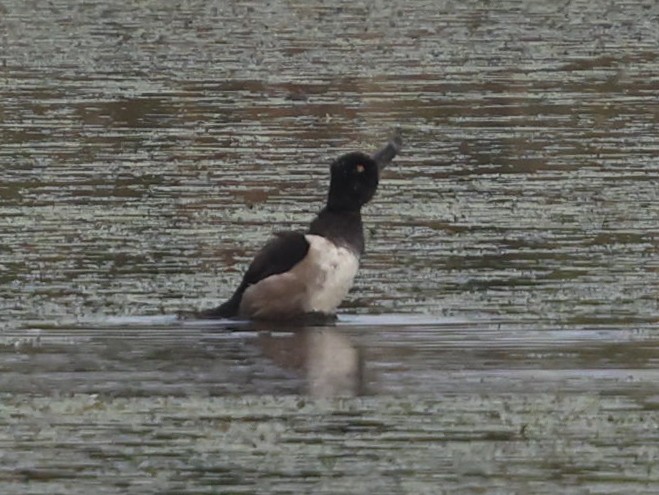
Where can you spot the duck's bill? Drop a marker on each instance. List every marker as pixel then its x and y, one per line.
pixel 384 156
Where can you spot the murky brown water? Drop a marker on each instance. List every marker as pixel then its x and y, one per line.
pixel 502 336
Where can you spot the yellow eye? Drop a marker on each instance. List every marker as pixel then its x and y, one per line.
pixel 360 168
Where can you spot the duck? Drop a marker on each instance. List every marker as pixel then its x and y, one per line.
pixel 298 274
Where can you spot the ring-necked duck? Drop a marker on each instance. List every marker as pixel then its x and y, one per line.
pixel 296 274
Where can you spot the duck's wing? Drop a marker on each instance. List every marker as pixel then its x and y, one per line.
pixel 279 255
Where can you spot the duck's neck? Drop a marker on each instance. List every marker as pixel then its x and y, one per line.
pixel 341 227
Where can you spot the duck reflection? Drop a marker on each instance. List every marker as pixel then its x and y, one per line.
pixel 330 362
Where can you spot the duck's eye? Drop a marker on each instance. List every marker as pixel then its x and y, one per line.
pixel 360 168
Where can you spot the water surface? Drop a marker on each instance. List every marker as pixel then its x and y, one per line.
pixel 502 334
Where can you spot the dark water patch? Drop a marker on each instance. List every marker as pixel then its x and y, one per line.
pixel 390 354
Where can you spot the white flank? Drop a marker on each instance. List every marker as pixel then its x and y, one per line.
pixel 318 283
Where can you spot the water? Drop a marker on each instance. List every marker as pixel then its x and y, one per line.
pixel 501 336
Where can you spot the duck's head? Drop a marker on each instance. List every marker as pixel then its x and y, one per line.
pixel 354 180
pixel 355 176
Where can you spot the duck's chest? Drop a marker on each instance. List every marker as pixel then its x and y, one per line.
pixel 328 272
